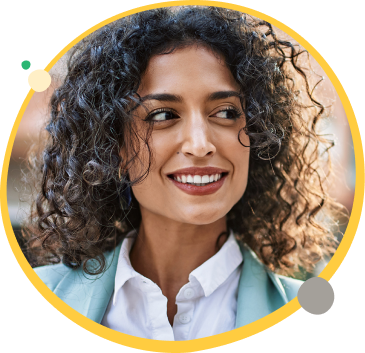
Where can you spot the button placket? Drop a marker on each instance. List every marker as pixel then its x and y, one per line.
pixel 185 301
pixel 184 318
pixel 189 293
pixel 157 304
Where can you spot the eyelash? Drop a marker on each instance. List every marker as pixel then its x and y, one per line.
pixel 159 111
pixel 236 114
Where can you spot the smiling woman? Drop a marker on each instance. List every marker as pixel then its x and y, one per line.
pixel 196 118
pixel 185 169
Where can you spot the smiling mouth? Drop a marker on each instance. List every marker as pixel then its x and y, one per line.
pixel 197 180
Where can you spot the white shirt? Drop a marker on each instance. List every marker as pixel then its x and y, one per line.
pixel 206 305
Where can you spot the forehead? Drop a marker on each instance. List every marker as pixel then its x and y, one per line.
pixel 185 70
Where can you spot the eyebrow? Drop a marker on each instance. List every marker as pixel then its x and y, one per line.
pixel 167 97
pixel 223 95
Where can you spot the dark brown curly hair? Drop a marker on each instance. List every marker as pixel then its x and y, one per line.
pixel 285 212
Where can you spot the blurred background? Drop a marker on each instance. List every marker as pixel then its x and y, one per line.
pixel 37 114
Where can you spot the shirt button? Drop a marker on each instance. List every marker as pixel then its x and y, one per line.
pixel 189 293
pixel 184 319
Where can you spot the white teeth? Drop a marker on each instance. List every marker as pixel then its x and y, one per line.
pixel 197 179
pixel 205 179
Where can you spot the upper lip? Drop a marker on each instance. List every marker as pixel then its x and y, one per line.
pixel 199 171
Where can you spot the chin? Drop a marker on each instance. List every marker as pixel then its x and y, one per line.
pixel 203 217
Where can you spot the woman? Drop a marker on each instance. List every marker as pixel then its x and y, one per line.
pixel 183 167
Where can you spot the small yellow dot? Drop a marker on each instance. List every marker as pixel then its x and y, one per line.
pixel 39 80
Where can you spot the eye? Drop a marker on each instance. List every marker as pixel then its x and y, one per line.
pixel 161 115
pixel 230 113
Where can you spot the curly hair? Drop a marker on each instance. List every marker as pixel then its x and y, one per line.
pixel 78 213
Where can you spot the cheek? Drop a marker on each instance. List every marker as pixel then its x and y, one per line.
pixel 161 147
pixel 151 158
pixel 138 158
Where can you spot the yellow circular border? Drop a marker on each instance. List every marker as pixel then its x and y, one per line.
pixel 34 319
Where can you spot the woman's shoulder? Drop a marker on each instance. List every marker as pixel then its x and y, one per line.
pixel 56 275
pixel 52 275
pixel 287 286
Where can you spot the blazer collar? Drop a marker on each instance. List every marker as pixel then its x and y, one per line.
pixel 90 296
pixel 260 292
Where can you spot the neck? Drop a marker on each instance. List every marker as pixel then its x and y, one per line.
pixel 163 252
pixel 167 252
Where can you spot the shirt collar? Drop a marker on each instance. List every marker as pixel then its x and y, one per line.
pixel 125 271
pixel 213 272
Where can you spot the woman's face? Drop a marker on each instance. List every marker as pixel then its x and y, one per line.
pixel 199 168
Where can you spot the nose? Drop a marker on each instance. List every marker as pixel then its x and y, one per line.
pixel 197 137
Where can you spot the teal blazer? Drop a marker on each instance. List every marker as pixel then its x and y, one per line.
pixel 260 291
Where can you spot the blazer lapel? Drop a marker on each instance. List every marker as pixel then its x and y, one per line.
pixel 259 293
pixel 89 295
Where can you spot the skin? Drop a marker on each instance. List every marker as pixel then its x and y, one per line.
pixel 178 228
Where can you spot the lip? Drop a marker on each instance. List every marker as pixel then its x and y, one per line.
pixel 198 171
pixel 200 190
